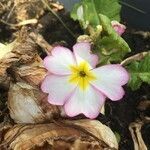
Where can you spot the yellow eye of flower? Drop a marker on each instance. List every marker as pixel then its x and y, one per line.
pixel 81 75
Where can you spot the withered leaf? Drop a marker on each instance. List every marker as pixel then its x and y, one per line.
pixel 32 73
pixel 19 52
pixel 71 135
pixel 27 104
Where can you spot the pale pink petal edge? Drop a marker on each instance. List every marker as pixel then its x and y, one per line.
pixel 94 58
pixel 57 50
pixel 88 115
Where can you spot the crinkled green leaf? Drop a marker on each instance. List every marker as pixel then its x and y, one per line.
pixel 139 72
pixel 111 46
pixel 87 11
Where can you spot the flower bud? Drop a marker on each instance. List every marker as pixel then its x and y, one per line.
pixel 118 27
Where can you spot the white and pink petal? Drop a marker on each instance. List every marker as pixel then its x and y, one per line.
pixel 82 52
pixel 110 79
pixel 87 102
pixel 58 87
pixel 59 61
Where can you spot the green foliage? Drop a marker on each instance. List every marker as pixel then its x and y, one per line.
pixel 93 13
pixel 139 72
pixel 87 11
pixel 111 46
pixel 95 17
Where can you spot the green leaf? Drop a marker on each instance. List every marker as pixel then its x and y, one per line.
pixel 87 11
pixel 139 72
pixel 112 47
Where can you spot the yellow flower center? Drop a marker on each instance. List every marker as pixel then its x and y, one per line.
pixel 81 75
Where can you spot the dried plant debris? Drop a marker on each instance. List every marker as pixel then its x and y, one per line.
pixel 21 10
pixel 32 73
pixel 135 130
pixel 21 51
pixel 71 135
pixel 144 105
pixel 28 9
pixel 27 104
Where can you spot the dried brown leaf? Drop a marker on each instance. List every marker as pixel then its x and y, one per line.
pixel 32 73
pixel 55 136
pixel 27 104
pixel 100 130
pixel 22 51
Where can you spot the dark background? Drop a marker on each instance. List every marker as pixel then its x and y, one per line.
pixel 132 17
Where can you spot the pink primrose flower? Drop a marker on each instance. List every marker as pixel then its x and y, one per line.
pixel 74 82
pixel 118 27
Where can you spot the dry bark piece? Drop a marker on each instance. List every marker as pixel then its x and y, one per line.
pixel 71 135
pixel 27 104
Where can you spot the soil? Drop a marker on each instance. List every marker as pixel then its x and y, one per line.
pixel 120 114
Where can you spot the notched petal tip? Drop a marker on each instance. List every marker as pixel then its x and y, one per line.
pixel 121 73
pixel 125 74
pixel 92 115
pixel 110 79
pixel 118 95
pixel 59 61
pixel 46 61
pixel 87 102
pixel 43 85
pixel 83 51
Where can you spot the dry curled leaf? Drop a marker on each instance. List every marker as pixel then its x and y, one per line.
pixel 27 104
pixel 32 73
pixel 22 51
pixel 71 135
pixel 100 130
